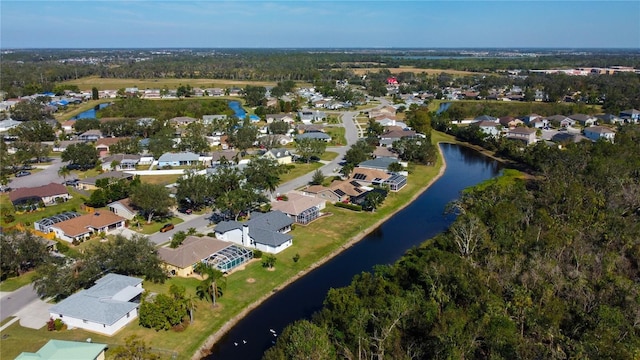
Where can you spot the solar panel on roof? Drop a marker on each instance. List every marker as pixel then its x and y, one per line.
pixel 358 190
pixel 340 192
pixel 354 183
pixel 359 176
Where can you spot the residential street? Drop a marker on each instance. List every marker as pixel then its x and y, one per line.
pixel 48 175
pixel 12 302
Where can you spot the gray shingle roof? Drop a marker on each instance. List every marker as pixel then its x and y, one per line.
pixel 273 220
pixel 378 163
pixel 184 156
pixel 313 135
pixel 225 226
pixel 267 237
pixel 97 303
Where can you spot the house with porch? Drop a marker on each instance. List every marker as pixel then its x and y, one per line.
pixel 82 227
pixel 221 255
pixel 301 208
pixel 50 194
pixel 266 232
pixel 178 159
pixel 104 308
pixel 121 161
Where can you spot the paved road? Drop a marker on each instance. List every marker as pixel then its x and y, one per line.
pixel 48 175
pixel 13 302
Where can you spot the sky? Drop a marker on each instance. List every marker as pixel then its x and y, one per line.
pixel 319 24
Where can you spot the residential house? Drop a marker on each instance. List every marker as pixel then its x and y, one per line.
pixel 301 208
pixel 488 118
pixel 221 255
pixel 50 194
pixel 178 159
pixel 565 137
pixel 509 122
pixel 539 123
pixel 182 120
pixel 491 128
pixel 387 111
pixel 121 162
pixel 395 182
pixel 8 124
pixel 584 120
pixel 288 118
pixel 62 349
pixel 314 135
pixel 266 232
pixel 395 134
pixel 102 145
pixel 82 227
pixel 303 128
pixel 631 115
pixel 367 176
pixel 609 119
pixel 90 182
pixel 228 155
pixel 151 94
pixel 527 119
pixel 213 119
pixel 60 146
pixel 308 116
pixel 278 138
pixel 90 135
pixel 104 308
pixel 561 120
pixel 384 152
pixel 282 156
pixel 67 126
pixel 596 133
pixel 379 163
pixel 338 191
pixel 123 208
pixel 528 135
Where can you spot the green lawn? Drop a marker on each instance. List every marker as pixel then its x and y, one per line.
pixel 328 155
pixel 15 283
pixel 299 170
pixel 248 284
pixel 155 226
pixel 337 135
pixel 160 179
pixel 74 204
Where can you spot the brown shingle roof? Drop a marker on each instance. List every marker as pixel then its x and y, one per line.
pixel 296 204
pixel 192 250
pixel 85 223
pixel 51 189
pixel 368 175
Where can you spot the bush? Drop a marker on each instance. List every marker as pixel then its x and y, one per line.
pixel 58 324
pixel 353 207
pixel 9 218
pixel 257 254
pixel 51 325
pixel 211 235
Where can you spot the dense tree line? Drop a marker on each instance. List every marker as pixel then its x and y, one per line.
pixel 164 109
pixel 532 269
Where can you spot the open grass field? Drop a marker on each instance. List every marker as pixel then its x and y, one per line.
pixel 247 285
pixel 411 69
pixel 114 84
pixel 160 179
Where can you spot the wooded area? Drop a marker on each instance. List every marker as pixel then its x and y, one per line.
pixel 537 269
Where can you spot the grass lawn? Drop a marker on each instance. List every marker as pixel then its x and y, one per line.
pixel 160 179
pixel 114 84
pixel 248 284
pixel 155 226
pixel 337 135
pixel 74 204
pixel 299 170
pixel 15 283
pixel 328 155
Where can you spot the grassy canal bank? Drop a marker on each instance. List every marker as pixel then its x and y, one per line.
pixel 250 285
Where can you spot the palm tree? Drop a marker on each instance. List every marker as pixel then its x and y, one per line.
pixel 189 301
pixel 213 285
pixel 64 172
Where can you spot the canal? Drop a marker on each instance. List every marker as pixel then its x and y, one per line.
pixel 419 221
pixel 91 113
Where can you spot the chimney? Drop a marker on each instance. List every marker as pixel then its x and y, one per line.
pixel 245 235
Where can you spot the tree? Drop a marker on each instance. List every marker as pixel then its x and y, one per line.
pixel 126 146
pixel 395 167
pixel 254 95
pixel 244 137
pixel 193 190
pixel 82 154
pixel 177 239
pixel 152 199
pixel 302 340
pixel 269 261
pixel 94 93
pixel 134 349
pixel 28 111
pixel 34 131
pixel 263 173
pixel 309 148
pixel 82 125
pixel 359 152
pixel 161 142
pixel 213 284
pixel 318 178
pixel 279 127
pixel 373 200
pixel 193 140
pixel 468 232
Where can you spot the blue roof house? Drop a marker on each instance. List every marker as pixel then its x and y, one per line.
pixel 104 308
pixel 62 349
pixel 264 231
pixel 178 159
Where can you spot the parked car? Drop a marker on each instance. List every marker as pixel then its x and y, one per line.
pixel 185 211
pixel 167 227
pixel 22 173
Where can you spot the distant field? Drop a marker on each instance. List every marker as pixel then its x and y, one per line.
pixel 412 70
pixel 112 84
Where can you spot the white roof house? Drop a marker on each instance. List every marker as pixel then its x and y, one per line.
pixel 104 308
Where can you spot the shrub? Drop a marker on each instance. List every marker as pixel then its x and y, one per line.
pixel 296 257
pixel 58 324
pixel 353 207
pixel 9 218
pixel 211 234
pixel 51 325
pixel 257 254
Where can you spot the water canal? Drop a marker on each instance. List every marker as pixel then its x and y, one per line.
pixel 91 113
pixel 408 228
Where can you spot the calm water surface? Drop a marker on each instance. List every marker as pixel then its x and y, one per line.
pixel 91 113
pixel 408 228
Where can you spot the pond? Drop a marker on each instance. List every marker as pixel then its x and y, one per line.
pixel 91 113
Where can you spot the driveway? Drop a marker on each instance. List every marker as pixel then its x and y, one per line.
pixel 26 306
pixel 48 174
